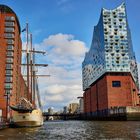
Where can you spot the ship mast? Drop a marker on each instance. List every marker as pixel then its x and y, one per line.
pixel 31 68
pixel 32 85
pixel 33 72
pixel 27 54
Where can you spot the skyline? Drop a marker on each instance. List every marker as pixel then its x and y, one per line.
pixel 67 29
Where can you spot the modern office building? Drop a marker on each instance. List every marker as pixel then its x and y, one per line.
pixel 109 70
pixel 12 84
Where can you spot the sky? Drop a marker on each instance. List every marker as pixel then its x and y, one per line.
pixel 64 28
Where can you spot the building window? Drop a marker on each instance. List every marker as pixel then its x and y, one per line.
pixel 9 53
pixel 7 91
pixel 10 29
pixel 9 35
pixel 9 24
pixel 9 60
pixel 9 79
pixel 10 47
pixel 10 41
pixel 8 85
pixel 9 66
pixel 9 18
pixel 9 72
pixel 116 83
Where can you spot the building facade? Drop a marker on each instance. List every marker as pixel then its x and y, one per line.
pixel 109 70
pixel 65 110
pixel 81 105
pixel 12 84
pixel 73 108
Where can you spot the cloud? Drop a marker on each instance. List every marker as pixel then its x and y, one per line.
pixel 63 49
pixel 54 98
pixel 65 45
pixel 65 56
pixel 56 89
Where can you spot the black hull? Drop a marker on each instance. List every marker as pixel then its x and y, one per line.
pixel 21 110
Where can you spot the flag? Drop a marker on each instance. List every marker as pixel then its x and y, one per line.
pixel 24 30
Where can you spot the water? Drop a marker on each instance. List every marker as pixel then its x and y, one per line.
pixel 76 130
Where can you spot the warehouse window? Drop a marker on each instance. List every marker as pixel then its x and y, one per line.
pixel 116 84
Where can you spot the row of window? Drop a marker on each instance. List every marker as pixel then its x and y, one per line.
pixel 118 65
pixel 9 34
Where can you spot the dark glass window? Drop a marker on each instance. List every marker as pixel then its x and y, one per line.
pixel 116 84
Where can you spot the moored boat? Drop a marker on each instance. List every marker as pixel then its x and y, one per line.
pixel 28 119
pixel 27 113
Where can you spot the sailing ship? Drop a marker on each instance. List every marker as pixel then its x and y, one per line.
pixel 26 113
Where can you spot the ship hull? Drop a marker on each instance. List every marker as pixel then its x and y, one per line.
pixel 30 119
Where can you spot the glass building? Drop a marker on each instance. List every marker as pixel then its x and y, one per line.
pixel 111 48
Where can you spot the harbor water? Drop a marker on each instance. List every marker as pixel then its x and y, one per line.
pixel 76 130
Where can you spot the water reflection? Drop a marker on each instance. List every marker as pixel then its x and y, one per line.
pixel 77 130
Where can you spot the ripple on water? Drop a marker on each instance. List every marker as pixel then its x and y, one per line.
pixel 76 130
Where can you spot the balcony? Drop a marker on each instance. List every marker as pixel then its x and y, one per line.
pixel 10 41
pixel 9 18
pixel 9 72
pixel 9 29
pixel 10 47
pixel 9 24
pixel 8 91
pixel 9 35
pixel 10 53
pixel 8 79
pixel 9 60
pixel 8 86
pixel 9 66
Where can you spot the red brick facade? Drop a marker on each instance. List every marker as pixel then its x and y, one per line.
pixel 11 81
pixel 102 95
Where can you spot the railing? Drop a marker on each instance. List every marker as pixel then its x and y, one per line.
pixel 10 18
pixel 10 24
pixel 10 41
pixel 9 35
pixel 9 29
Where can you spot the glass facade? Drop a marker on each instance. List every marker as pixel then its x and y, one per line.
pixel 111 49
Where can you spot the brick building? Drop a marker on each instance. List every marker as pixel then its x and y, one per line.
pixel 110 74
pixel 12 84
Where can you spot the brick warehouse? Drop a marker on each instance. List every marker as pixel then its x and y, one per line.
pixel 109 70
pixel 12 84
